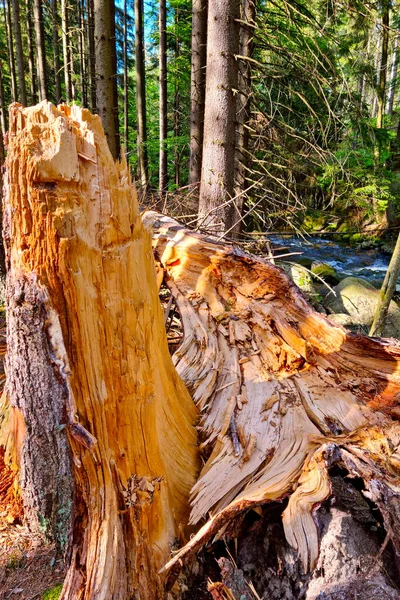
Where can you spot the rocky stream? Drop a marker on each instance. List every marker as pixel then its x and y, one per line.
pixel 353 275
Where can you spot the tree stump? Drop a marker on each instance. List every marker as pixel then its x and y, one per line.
pixel 108 453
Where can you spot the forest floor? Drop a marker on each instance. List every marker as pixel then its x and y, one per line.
pixel 29 570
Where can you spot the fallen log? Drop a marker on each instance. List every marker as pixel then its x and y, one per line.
pixel 284 394
pixel 108 452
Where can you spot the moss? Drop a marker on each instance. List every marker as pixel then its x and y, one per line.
pixel 53 593
pixel 357 238
pixel 325 271
pixel 314 220
pixel 332 226
pixel 345 227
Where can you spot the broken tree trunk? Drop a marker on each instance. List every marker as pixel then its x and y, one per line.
pixel 283 393
pixel 108 452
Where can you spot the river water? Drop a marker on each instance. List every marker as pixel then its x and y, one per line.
pixel 346 260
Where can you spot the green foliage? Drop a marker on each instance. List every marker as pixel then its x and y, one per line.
pixel 314 220
pixel 352 178
pixel 313 136
pixel 53 593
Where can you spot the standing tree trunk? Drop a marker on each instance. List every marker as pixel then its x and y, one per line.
pixel 217 177
pixel 91 56
pixel 3 121
pixel 2 129
pixel 163 167
pixel 82 62
pixel 88 367
pixel 243 110
pixel 10 49
pixel 19 51
pixel 66 54
pixel 393 77
pixel 177 105
pixel 382 75
pixel 106 71
pixel 363 77
pixel 386 293
pixel 40 49
pixel 197 87
pixel 31 53
pixel 56 50
pixel 141 96
pixel 377 39
pixel 126 83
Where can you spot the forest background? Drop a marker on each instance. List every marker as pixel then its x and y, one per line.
pixel 312 121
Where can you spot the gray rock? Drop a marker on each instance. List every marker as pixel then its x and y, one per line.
pixel 347 322
pixel 302 278
pixel 358 299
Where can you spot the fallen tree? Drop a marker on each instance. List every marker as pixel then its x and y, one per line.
pixel 103 425
pixel 284 394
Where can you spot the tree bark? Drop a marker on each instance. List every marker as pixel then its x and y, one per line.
pixel 31 54
pixel 126 85
pixel 3 120
pixel 393 77
pixel 248 15
pixel 387 290
pixel 66 56
pixel 177 106
pixel 284 394
pixel 10 49
pixel 19 51
pixel 91 56
pixel 56 51
pixel 40 49
pixel 106 71
pixel 2 154
pixel 163 167
pixel 382 76
pixel 82 62
pixel 141 97
pixel 109 450
pixel 217 178
pixel 197 87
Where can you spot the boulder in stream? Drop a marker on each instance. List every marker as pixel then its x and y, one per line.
pixel 358 299
pixel 325 271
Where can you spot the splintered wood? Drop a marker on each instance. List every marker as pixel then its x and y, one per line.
pixel 89 372
pixel 283 393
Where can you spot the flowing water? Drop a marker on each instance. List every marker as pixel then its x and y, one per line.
pixel 370 264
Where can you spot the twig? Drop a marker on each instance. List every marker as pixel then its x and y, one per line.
pixel 167 310
pixel 314 275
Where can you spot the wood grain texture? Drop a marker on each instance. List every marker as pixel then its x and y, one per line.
pixel 81 267
pixel 283 392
